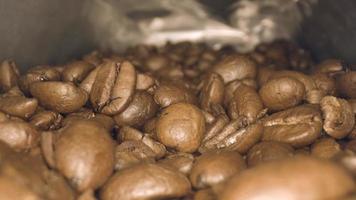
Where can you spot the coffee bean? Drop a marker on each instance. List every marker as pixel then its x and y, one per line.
pixel 171 183
pixel 181 126
pixel 298 126
pixel 265 180
pixel 213 168
pixel 9 75
pixel 268 151
pixel 339 118
pixel 59 96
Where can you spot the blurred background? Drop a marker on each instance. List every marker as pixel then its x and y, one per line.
pixel 36 32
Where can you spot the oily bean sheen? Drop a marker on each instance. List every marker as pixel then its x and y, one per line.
pixel 282 93
pixel 272 181
pixel 9 75
pixel 339 118
pixel 213 168
pixel 298 126
pixel 181 126
pixel 113 87
pixel 80 148
pixel 166 182
pixel 141 108
pixel 62 97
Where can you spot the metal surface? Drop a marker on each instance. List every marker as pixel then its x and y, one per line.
pixel 50 31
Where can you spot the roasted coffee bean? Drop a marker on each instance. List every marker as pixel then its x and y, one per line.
pixel 325 148
pixel 181 126
pixel 76 71
pixel 169 93
pixel 79 149
pixel 339 118
pixel 132 152
pixel 246 103
pixel 9 75
pixel 232 86
pixel 236 135
pixel 263 181
pixel 298 126
pixel 325 83
pixel 264 75
pixel 330 67
pixel 213 168
pixel 268 151
pixel 59 96
pixel 235 67
pixel 144 81
pixel 141 108
pixel 212 91
pixel 205 194
pixel 25 176
pixel 156 182
pixel 282 93
pixel 129 133
pixel 309 84
pixel 37 74
pixel 114 87
pixel 87 83
pixel 46 120
pixel 346 84
pixel 183 162
pixel 20 136
pixel 18 105
pixel 156 62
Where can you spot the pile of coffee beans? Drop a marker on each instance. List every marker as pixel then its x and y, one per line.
pixel 180 122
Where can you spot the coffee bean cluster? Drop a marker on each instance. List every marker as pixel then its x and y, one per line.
pixel 180 122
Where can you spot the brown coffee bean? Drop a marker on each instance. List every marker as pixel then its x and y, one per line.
pixel 205 194
pixel 169 93
pixel 25 176
pixel 132 152
pixel 230 90
pixel 158 148
pixel 346 84
pixel 20 136
pixel 129 133
pixel 325 83
pixel 167 183
pixel 268 151
pixel 235 67
pixel 236 135
pixel 102 120
pixel 144 81
pixel 84 154
pixel 246 103
pixel 181 126
pixel 339 118
pixel 18 106
pixel 76 71
pixel 141 108
pixel 212 91
pixel 37 74
pixel 274 181
pixel 308 82
pixel 298 126
pixel 213 168
pixel 59 96
pixel 282 93
pixel 88 82
pixel 114 87
pixel 87 195
pixel 46 120
pixel 264 75
pixel 213 129
pixel 330 67
pixel 9 75
pixel 156 62
pixel 3 117
pixel 325 148
pixel 183 162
